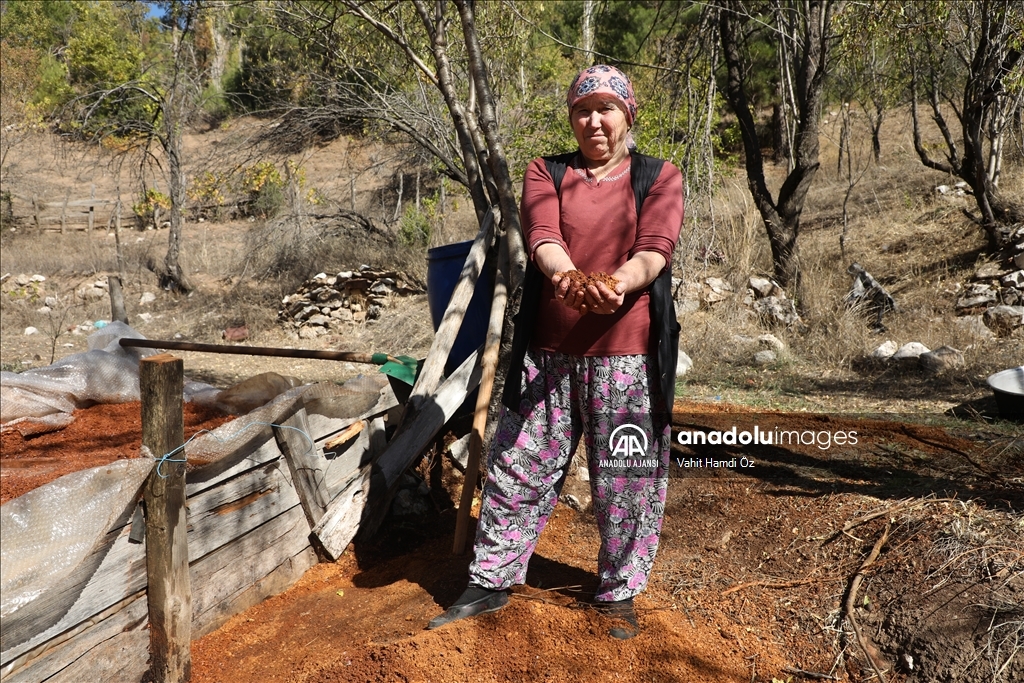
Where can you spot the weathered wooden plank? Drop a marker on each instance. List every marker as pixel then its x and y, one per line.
pixel 305 462
pixel 327 416
pixel 235 577
pixel 255 452
pixel 433 368
pixel 221 515
pixel 169 591
pixel 483 401
pixel 341 521
pixel 333 529
pixel 114 570
pixel 85 655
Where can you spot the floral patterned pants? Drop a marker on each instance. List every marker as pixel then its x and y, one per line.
pixel 566 397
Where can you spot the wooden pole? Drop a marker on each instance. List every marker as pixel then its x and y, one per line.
pixel 64 212
pixel 35 212
pixel 117 311
pixel 483 399
pixel 169 591
pixel 92 210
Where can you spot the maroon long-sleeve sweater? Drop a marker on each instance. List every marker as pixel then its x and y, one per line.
pixel 596 223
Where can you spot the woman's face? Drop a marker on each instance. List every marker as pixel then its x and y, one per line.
pixel 599 124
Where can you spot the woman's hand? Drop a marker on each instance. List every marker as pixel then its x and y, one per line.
pixel 569 295
pixel 603 300
pixel 635 274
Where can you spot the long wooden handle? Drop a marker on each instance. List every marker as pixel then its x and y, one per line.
pixel 489 363
pixel 351 356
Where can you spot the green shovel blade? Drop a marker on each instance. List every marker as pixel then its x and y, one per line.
pixel 405 371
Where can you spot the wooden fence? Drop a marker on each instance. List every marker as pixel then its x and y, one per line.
pixel 66 214
pixel 254 519
pixel 247 535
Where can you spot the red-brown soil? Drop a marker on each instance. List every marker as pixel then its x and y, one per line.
pixel 99 434
pixel 749 581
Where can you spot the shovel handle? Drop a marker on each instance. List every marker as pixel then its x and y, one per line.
pixel 350 356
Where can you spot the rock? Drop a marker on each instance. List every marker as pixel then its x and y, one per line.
pixel 1014 279
pixel 1011 296
pixel 910 351
pixel 683 364
pixel 1004 319
pixel 90 293
pixel 765 357
pixel 356 308
pixel 989 271
pixel 770 341
pixel 974 325
pixel 45 310
pixel 977 295
pixel 718 285
pixel 885 351
pixel 235 334
pixel 30 331
pixel 39 278
pixel 345 274
pixel 410 503
pixel 318 319
pixel 51 302
pixel 320 276
pixel 714 297
pixel 941 359
pixel 572 501
pixel 145 317
pixel 1018 260
pixel 773 311
pixel 308 332
pixel 21 279
pixel 687 306
pixel 762 286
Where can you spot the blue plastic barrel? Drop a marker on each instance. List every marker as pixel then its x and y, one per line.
pixel 444 265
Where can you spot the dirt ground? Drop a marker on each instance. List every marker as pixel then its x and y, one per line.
pixel 755 565
pixel 751 576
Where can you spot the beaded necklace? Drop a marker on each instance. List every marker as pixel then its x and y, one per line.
pixel 582 173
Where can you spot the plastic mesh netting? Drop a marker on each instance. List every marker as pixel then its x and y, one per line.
pixel 47 532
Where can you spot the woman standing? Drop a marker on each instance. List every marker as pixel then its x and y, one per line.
pixel 587 366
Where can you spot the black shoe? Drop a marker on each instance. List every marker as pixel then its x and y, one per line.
pixel 621 610
pixel 475 600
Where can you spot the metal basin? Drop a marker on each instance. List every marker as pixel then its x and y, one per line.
pixel 1008 386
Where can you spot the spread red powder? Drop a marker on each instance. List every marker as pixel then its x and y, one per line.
pixel 99 435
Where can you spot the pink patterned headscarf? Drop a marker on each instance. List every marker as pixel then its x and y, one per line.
pixel 606 80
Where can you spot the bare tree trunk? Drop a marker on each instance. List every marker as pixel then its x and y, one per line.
pixel 174 276
pixel 435 26
pixel 808 23
pixel 587 29
pixel 496 156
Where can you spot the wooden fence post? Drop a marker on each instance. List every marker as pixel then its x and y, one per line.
pixel 64 212
pixel 92 210
pixel 169 590
pixel 35 213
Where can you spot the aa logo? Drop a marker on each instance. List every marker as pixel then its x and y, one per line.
pixel 628 441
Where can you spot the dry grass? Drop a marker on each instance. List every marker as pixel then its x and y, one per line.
pixel 917 243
